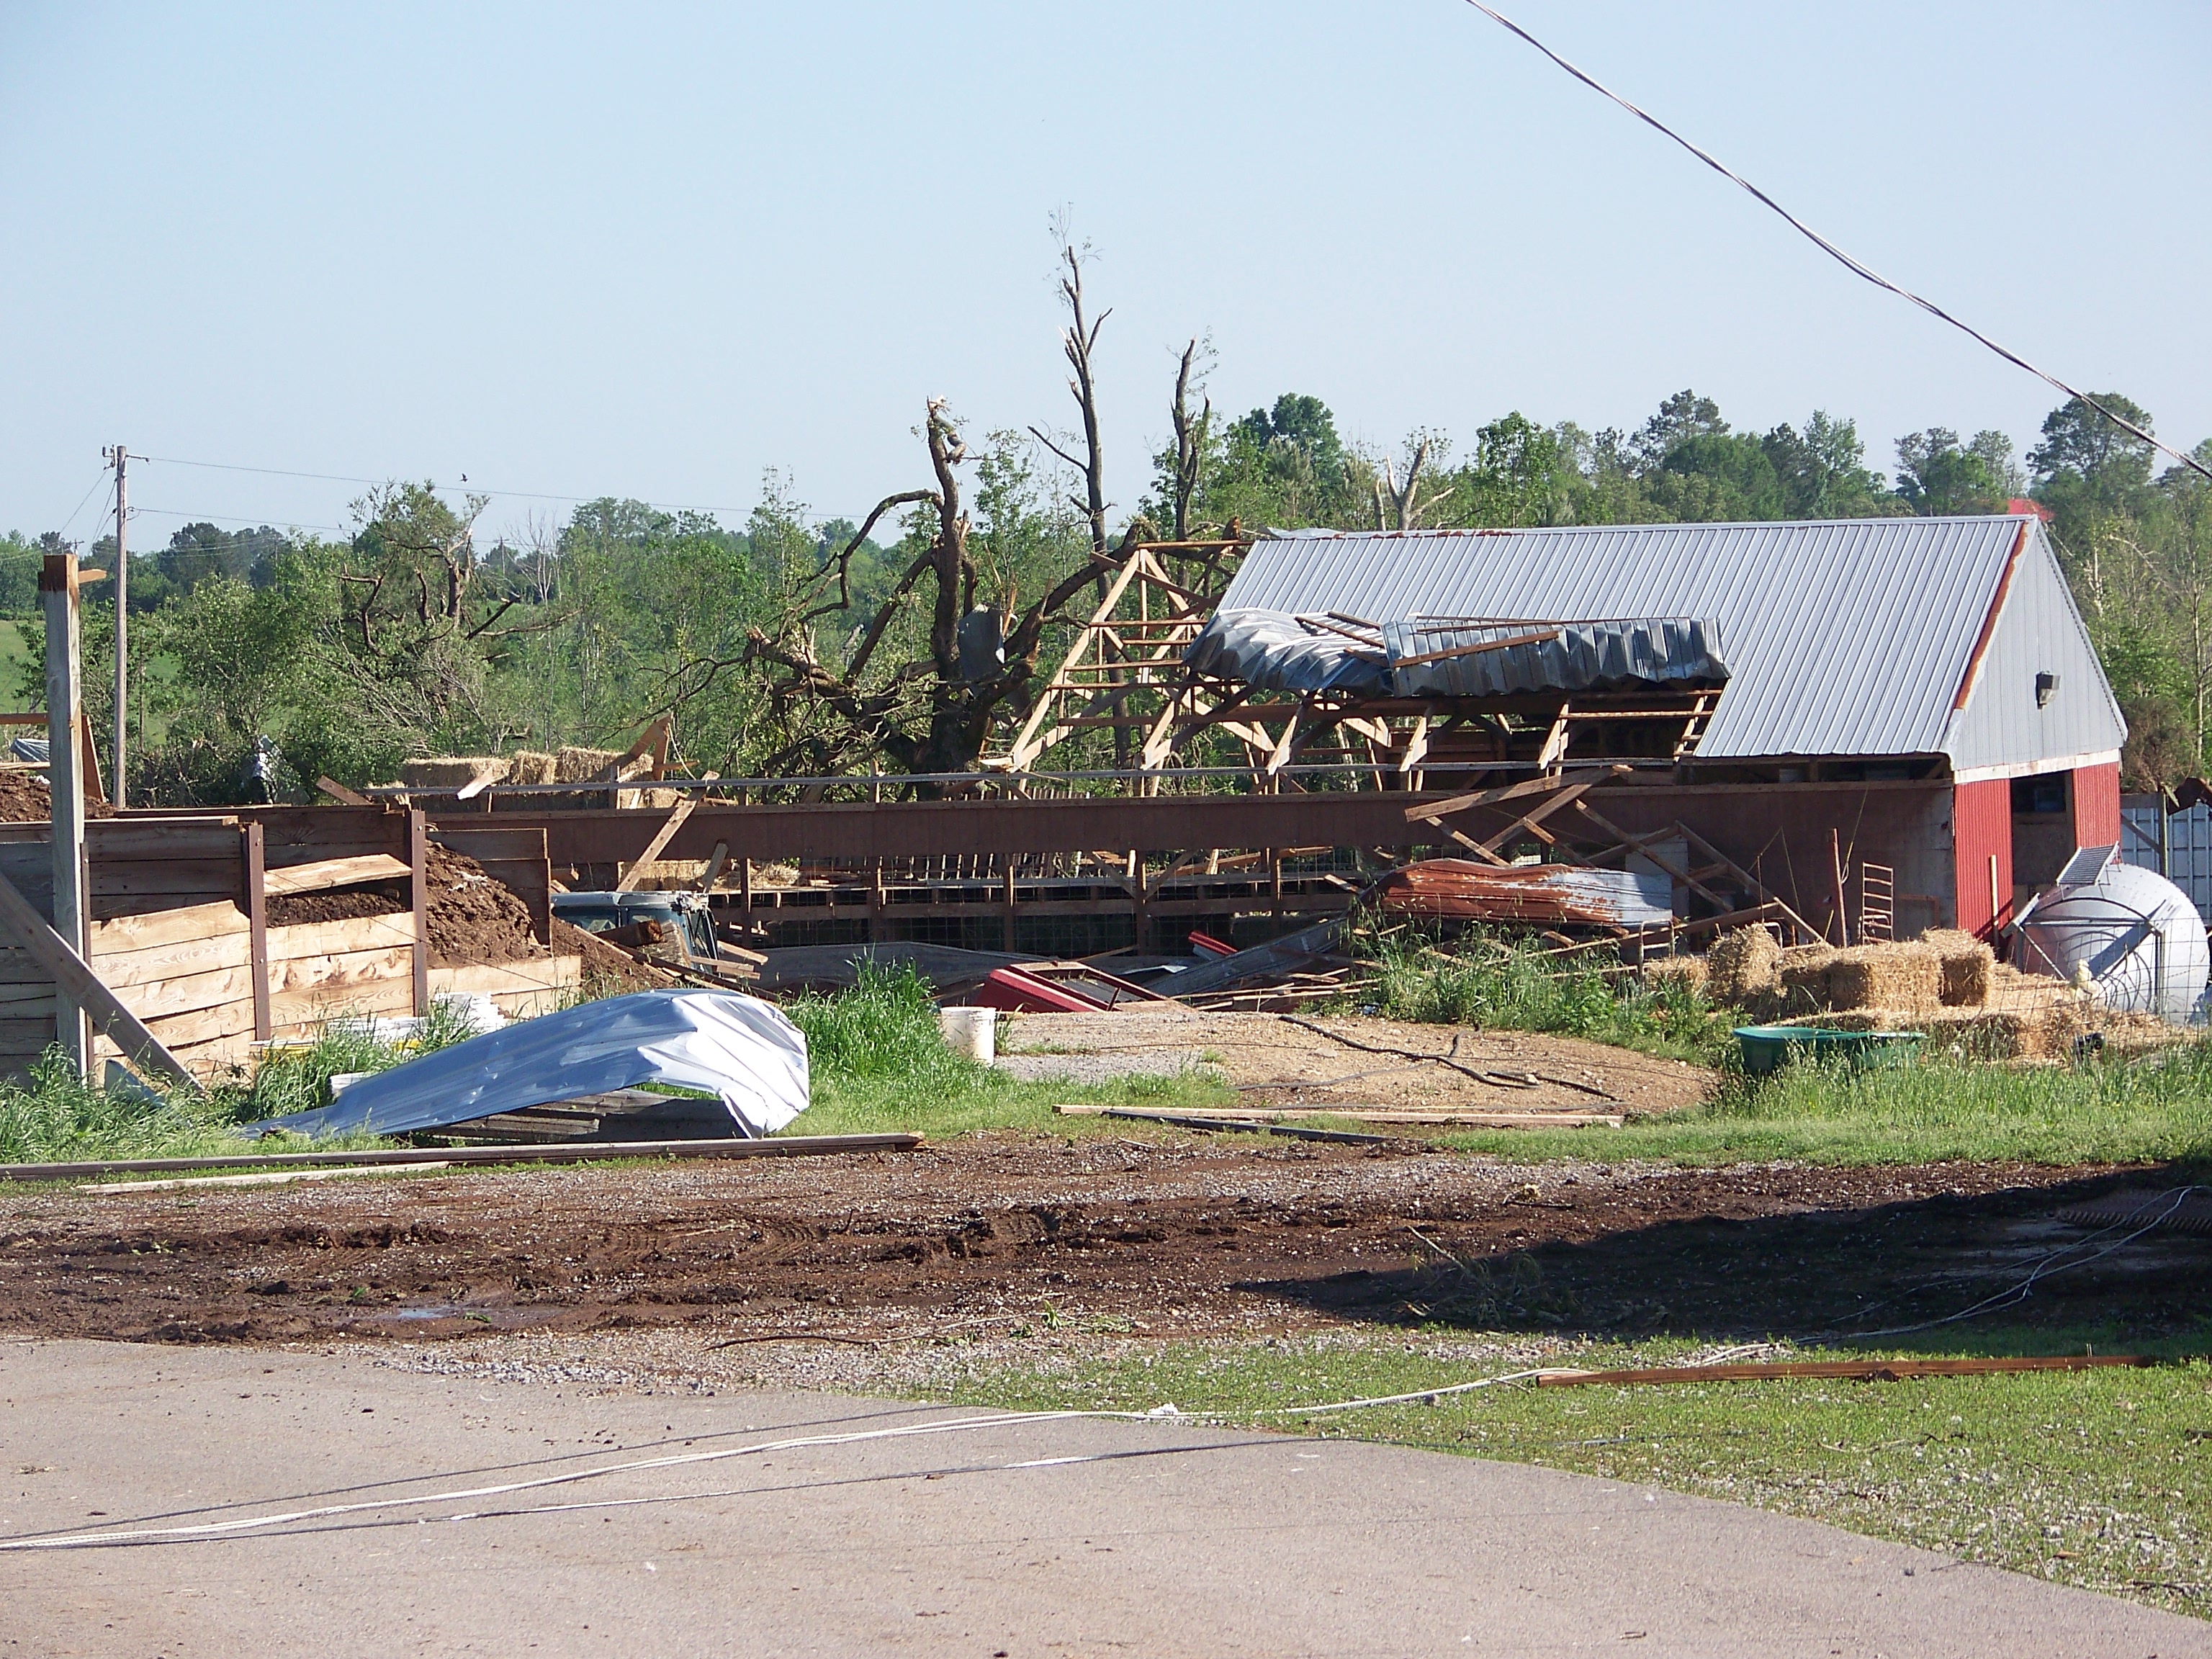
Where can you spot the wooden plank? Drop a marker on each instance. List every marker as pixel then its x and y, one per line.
pixel 661 837
pixel 328 938
pixel 181 925
pixel 253 849
pixel 126 840
pixel 419 865
pixel 492 846
pixel 1527 822
pixel 188 993
pixel 200 956
pixel 353 967
pixel 211 878
pixel 29 1036
pixel 498 978
pixel 294 1011
pixel 1429 812
pixel 338 793
pixel 76 981
pixel 234 1019
pixel 320 875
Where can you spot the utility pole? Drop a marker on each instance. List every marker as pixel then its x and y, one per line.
pixel 118 457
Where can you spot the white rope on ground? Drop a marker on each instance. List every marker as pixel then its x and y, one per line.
pixel 994 1420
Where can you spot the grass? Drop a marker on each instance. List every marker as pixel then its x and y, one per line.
pixel 2094 1478
pixel 60 1118
pixel 880 1064
pixel 1512 985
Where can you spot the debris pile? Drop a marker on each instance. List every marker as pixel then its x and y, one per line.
pixel 25 799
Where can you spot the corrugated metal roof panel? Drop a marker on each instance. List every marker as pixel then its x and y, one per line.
pixel 1849 637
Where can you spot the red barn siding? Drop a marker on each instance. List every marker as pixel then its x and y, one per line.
pixel 2097 806
pixel 1981 829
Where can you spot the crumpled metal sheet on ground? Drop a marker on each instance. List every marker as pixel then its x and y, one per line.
pixel 1459 890
pixel 739 1048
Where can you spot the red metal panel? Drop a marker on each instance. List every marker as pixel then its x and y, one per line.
pixel 1981 845
pixel 2097 806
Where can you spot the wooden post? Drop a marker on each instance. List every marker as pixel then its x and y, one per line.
pixel 880 927
pixel 746 894
pixel 418 892
pixel 1836 864
pixel 1007 932
pixel 58 590
pixel 253 845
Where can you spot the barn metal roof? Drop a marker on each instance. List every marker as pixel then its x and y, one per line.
pixel 1852 637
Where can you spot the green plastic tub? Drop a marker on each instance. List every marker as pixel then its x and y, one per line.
pixel 1767 1048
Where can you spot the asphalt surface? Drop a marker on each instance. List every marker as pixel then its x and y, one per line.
pixel 1060 1537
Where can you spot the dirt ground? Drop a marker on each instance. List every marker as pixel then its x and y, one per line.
pixel 1275 1060
pixel 1173 1235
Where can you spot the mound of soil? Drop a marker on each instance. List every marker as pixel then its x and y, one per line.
pixel 293 909
pixel 26 799
pixel 474 917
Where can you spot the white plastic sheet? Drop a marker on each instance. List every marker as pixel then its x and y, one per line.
pixel 738 1049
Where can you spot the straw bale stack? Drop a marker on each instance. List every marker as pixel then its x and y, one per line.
pixel 1740 967
pixel 1969 966
pixel 1907 978
pixel 1801 972
pixel 530 766
pixel 450 771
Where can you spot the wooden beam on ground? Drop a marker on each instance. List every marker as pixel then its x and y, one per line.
pixel 1441 1119
pixel 1861 1371
pixel 79 985
pixel 581 1152
pixel 661 837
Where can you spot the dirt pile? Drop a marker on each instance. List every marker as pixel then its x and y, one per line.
pixel 25 799
pixel 474 917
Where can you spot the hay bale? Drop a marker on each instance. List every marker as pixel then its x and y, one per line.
pixel 530 766
pixel 1740 967
pixel 572 763
pixel 449 771
pixel 1969 966
pixel 1986 1034
pixel 1906 977
pixel 1669 973
pixel 1801 976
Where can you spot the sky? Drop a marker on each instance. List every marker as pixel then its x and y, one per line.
pixel 656 252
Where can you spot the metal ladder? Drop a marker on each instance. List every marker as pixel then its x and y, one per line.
pixel 1877 903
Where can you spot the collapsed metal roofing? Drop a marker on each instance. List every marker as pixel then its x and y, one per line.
pixel 1450 657
pixel 1854 637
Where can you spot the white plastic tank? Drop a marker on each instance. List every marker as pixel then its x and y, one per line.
pixel 2136 933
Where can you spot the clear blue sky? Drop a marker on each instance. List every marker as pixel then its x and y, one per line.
pixel 653 251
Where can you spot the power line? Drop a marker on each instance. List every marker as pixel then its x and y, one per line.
pixel 79 507
pixel 463 487
pixel 229 518
pixel 1856 267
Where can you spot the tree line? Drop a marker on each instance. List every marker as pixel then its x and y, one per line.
pixel 794 645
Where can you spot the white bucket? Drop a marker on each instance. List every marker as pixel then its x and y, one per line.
pixel 969 1032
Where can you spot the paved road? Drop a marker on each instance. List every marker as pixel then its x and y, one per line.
pixel 1062 1538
